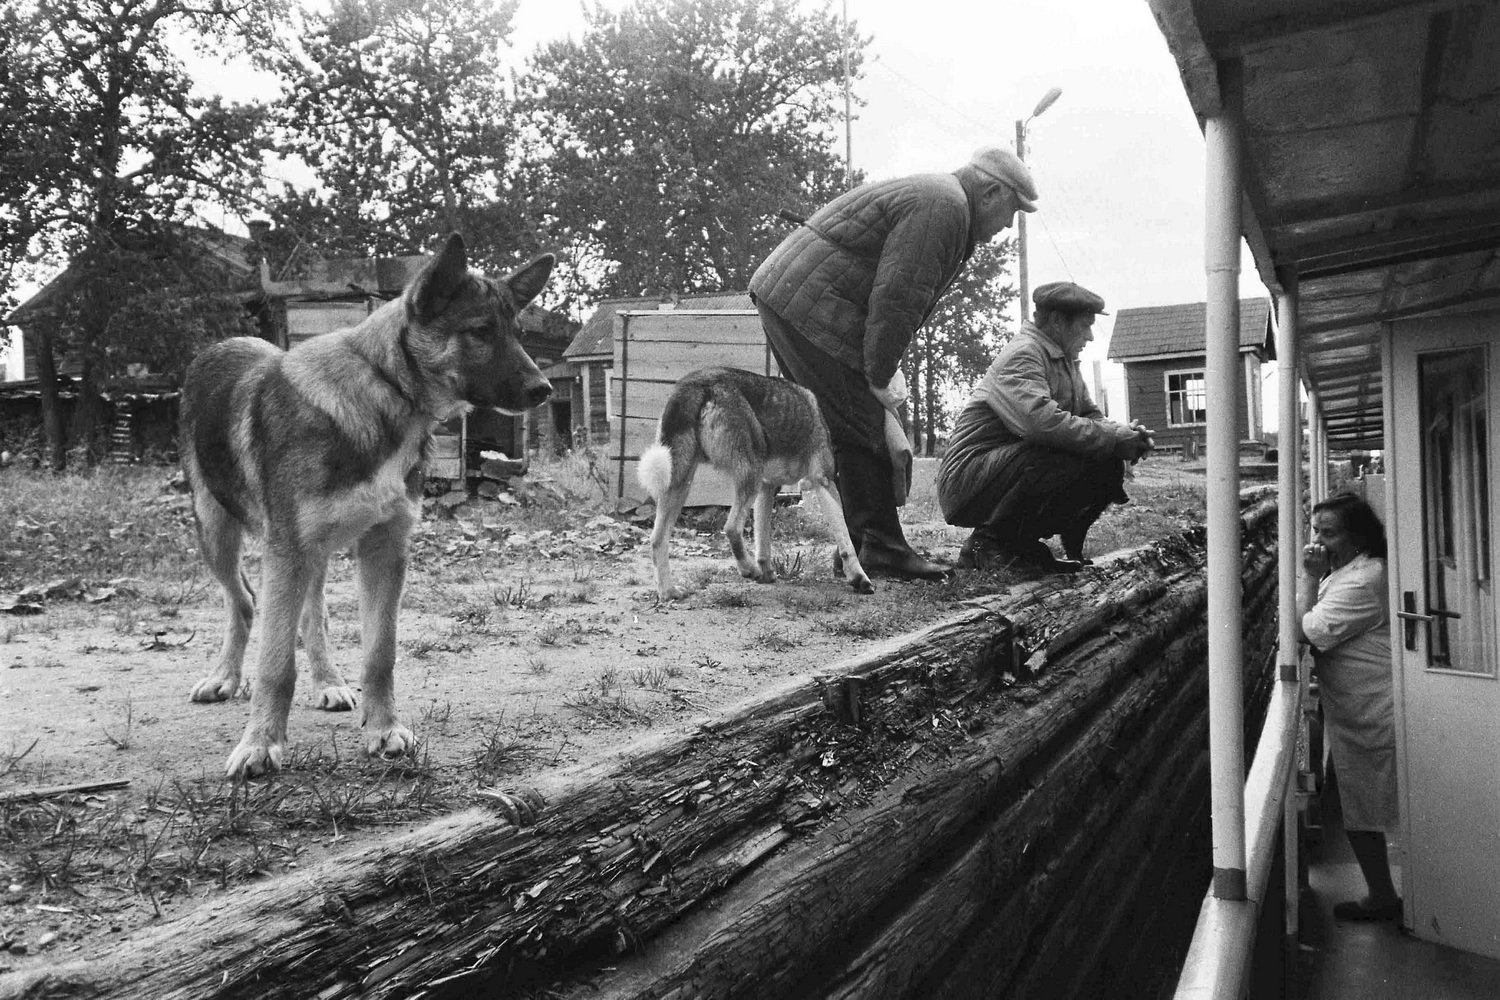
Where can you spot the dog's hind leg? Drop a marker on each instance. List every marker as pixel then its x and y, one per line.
pixel 668 508
pixel 827 492
pixel 746 490
pixel 765 494
pixel 332 692
pixel 220 537
pixel 284 579
pixel 382 574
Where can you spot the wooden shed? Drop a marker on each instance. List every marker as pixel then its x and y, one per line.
pixel 1161 348
pixel 591 355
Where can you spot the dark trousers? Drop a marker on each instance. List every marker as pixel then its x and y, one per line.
pixel 856 426
pixel 1046 492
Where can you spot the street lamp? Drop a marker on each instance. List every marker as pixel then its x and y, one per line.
pixel 1046 102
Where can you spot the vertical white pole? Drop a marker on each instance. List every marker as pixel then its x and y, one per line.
pixel 1289 515
pixel 1226 731
pixel 1288 476
pixel 1022 274
pixel 1317 450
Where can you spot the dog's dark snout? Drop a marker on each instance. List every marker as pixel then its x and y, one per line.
pixel 538 392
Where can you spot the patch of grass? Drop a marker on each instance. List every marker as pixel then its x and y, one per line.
pixel 774 638
pixel 110 522
pixel 787 567
pixel 473 615
pixel 501 751
pixel 862 625
pixel 120 737
pixel 654 677
pixel 191 832
pixel 727 596
pixel 609 710
pixel 11 760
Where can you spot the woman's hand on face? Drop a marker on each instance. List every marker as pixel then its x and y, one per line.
pixel 1315 559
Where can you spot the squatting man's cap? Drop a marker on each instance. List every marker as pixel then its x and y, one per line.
pixel 1007 168
pixel 1068 297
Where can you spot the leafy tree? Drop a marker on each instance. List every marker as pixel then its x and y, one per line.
pixel 957 343
pixel 401 107
pixel 116 153
pixel 664 141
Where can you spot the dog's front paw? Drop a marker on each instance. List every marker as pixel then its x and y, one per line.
pixel 337 698
pixel 215 688
pixel 391 743
pixel 251 760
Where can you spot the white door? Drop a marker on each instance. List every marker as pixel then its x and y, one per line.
pixel 1446 398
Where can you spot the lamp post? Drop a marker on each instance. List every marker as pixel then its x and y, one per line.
pixel 1046 102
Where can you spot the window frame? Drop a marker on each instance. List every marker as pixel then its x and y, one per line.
pixel 1166 381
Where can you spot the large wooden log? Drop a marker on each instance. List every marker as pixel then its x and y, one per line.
pixel 805 831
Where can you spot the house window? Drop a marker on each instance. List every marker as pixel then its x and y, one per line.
pixel 1187 399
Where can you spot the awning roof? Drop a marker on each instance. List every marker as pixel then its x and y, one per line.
pixel 1371 137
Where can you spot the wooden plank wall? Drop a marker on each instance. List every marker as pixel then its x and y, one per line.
pixel 652 351
pixel 305 320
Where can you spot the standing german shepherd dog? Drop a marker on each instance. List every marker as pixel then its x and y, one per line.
pixel 760 431
pixel 321 448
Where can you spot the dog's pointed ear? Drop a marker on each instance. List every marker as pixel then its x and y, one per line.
pixel 440 279
pixel 526 282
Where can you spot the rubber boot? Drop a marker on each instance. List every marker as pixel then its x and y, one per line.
pixel 867 489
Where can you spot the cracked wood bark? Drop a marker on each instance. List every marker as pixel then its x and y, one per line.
pixel 741 813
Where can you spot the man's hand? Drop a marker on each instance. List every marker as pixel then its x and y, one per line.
pixel 894 394
pixel 1138 445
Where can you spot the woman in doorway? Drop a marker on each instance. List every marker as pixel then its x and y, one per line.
pixel 1342 613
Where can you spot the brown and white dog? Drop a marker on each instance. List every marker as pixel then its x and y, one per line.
pixel 762 432
pixel 321 448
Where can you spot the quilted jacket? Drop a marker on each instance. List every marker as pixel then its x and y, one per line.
pixel 1032 395
pixel 861 275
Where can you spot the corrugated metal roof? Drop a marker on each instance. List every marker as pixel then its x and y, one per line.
pixel 1178 329
pixel 598 334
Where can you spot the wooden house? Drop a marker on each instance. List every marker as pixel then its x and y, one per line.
pixel 139 404
pixel 1161 348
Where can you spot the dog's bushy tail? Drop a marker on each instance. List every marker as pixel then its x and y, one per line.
pixel 655 470
pixel 671 459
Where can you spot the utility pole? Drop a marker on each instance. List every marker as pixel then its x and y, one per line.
pixel 848 118
pixel 1046 102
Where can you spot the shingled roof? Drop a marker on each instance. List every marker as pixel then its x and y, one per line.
pixel 1158 331
pixel 598 334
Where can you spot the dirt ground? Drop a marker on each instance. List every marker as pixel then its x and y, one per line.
pixel 526 644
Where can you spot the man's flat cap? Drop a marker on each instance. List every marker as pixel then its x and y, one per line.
pixel 1067 297
pixel 1007 168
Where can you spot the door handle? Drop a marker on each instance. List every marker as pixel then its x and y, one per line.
pixel 1409 616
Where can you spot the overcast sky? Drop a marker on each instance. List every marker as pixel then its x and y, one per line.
pixel 1118 159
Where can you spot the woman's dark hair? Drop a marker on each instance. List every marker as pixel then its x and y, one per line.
pixel 1359 519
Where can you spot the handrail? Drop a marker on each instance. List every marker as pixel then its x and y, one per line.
pixel 1218 961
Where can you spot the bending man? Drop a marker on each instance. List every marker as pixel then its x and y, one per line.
pixel 840 299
